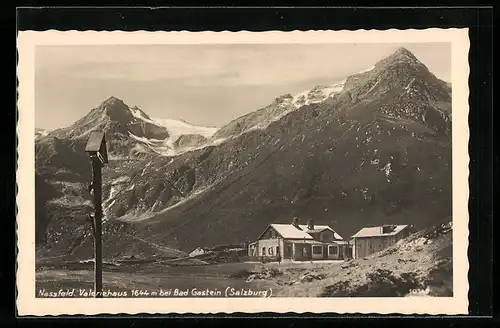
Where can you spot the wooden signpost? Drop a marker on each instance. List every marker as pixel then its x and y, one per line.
pixel 96 148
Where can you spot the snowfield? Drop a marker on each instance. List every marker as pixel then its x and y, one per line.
pixel 319 94
pixel 175 129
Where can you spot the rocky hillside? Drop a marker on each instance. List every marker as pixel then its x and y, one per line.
pixel 373 149
pixel 280 107
pixel 63 170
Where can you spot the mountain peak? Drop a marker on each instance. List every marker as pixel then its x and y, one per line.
pixel 111 100
pixel 403 54
pixel 116 110
pixel 404 51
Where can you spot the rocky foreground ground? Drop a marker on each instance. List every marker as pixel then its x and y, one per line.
pixel 418 265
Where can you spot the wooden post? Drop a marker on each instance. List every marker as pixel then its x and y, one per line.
pixel 97 150
pixel 97 183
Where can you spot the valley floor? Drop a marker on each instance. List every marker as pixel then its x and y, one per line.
pixel 149 278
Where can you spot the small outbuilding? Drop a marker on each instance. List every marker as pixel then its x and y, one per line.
pixel 371 240
pixel 197 251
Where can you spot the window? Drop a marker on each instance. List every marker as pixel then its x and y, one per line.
pixel 273 234
pixel 263 251
pixel 333 250
pixel 277 250
pixel 326 236
pixel 317 250
pixel 270 251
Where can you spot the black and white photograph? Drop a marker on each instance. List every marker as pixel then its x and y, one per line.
pixel 180 171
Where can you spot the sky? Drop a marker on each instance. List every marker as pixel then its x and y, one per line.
pixel 204 84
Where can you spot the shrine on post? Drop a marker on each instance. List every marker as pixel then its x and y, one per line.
pixel 98 153
pixel 96 146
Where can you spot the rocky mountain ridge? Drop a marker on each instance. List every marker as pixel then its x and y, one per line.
pixel 377 150
pixel 133 133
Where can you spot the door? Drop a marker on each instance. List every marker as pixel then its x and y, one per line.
pixel 307 252
pixel 288 251
pixel 349 252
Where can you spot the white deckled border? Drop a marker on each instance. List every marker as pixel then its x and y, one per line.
pixel 29 305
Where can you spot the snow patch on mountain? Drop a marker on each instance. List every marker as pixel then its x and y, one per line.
pixel 317 94
pixel 141 139
pixel 138 114
pixel 175 129
pixel 166 147
pixel 320 93
pixel 218 141
pixel 40 133
pixel 117 186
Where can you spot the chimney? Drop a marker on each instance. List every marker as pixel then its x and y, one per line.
pixel 295 222
pixel 388 228
pixel 310 224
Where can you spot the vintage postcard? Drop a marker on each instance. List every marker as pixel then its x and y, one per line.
pixel 221 172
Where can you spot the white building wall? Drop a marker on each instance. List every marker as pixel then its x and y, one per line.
pixel 268 244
